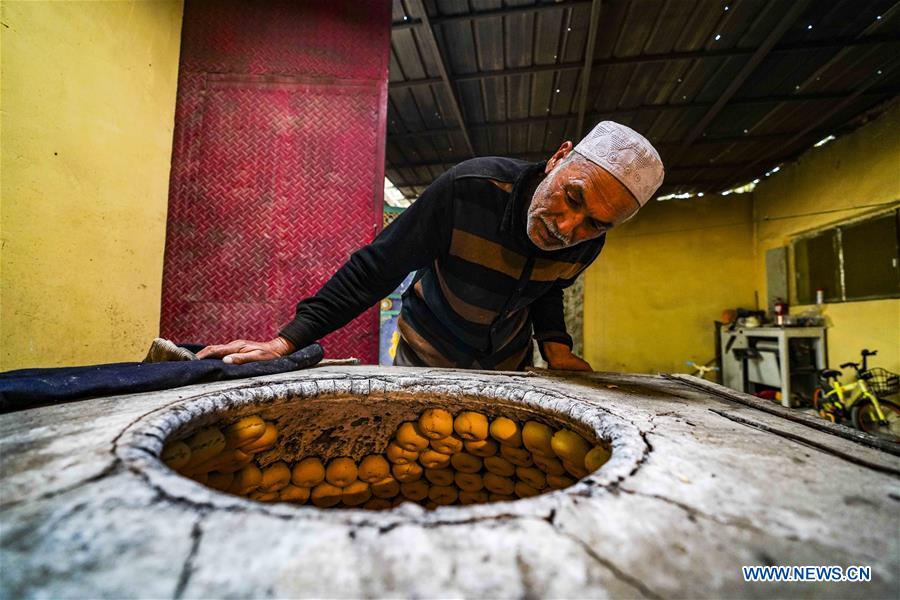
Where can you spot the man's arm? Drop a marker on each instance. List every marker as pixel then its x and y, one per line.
pixel 412 241
pixel 553 340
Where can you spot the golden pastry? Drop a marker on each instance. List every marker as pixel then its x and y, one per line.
pixel 226 461
pixel 204 444
pixel 439 476
pixel 264 442
pixel 523 490
pixel 410 438
pixel 447 445
pixel 533 477
pixel 431 459
pixel 550 466
pixel 501 497
pixel 202 477
pixel 506 431
pixel 436 423
pixel 575 469
pixel 232 460
pixel 400 456
pixel 517 456
pixel 397 501
pixel 245 431
pixel 275 476
pixel 499 466
pixel 469 482
pixel 341 471
pixel 596 458
pixel 293 493
pixel 443 495
pixel 377 504
pixel 536 437
pixel 477 497
pixel 373 467
pixel 308 473
pixel 545 456
pixel 482 448
pixel 498 485
pixel 356 493
pixel 191 472
pixel 386 488
pixel 326 495
pixel 558 482
pixel 471 426
pixel 466 463
pixel 569 446
pixel 406 473
pixel 261 496
pixel 246 480
pixel 176 455
pixel 220 481
pixel 414 490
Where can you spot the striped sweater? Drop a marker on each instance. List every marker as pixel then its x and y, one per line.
pixel 481 288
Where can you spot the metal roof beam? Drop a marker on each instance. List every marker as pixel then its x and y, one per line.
pixel 666 184
pixel 536 156
pixel 761 52
pixel 869 33
pixel 791 98
pixel 499 12
pixel 817 127
pixel 431 42
pixel 835 44
pixel 586 70
pixel 664 148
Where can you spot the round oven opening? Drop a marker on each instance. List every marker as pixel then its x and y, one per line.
pixel 376 453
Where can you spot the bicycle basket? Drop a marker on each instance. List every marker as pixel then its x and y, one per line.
pixel 881 381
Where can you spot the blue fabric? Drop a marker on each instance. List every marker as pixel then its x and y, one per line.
pixel 27 388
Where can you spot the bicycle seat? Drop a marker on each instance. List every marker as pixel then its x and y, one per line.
pixel 829 373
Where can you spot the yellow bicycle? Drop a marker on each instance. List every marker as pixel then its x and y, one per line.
pixel 862 400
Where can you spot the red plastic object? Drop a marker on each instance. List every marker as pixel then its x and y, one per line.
pixel 277 165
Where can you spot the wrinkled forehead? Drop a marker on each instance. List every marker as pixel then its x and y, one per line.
pixel 594 180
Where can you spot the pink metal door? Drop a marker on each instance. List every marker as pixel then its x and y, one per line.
pixel 277 164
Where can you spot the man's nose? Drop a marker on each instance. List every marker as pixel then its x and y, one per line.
pixel 568 223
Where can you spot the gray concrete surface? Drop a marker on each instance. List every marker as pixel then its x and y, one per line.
pixel 697 487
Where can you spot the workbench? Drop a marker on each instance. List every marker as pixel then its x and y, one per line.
pixel 762 355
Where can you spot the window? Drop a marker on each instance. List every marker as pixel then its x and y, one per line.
pixel 870 257
pixel 855 261
pixel 816 266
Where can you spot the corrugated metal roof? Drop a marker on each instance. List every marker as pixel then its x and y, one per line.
pixel 792 72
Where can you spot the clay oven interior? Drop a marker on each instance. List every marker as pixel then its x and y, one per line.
pixel 358 426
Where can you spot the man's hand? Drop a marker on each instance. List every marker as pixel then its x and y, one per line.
pixel 239 352
pixel 560 358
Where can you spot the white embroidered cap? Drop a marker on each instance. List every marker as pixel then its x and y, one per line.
pixel 627 155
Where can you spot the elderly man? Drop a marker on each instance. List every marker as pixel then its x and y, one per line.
pixel 493 241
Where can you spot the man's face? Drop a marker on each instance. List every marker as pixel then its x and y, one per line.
pixel 577 201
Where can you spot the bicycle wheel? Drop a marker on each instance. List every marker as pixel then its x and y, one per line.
pixel 828 406
pixel 865 418
pixel 817 398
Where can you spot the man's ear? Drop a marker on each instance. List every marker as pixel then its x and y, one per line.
pixel 559 155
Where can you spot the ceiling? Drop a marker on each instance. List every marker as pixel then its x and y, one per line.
pixel 724 90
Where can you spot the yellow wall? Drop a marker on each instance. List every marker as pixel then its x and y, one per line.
pixel 652 296
pixel 88 100
pixel 848 176
pixel 662 279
